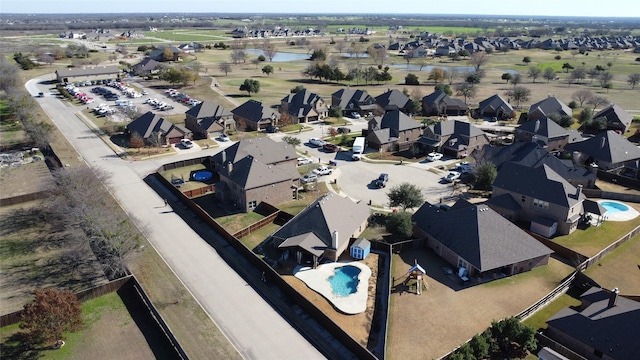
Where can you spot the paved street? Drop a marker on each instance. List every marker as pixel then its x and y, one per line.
pixel 252 325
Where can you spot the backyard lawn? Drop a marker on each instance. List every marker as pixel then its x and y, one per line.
pixel 592 240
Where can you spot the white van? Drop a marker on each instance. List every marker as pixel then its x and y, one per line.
pixel 124 103
pixel 358 148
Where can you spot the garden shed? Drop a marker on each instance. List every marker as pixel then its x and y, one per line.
pixel 360 249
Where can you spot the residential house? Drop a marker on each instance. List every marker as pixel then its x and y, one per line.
pixel 255 170
pixel 608 151
pixel 254 115
pixel 150 125
pixel 302 107
pixel 393 131
pixel 604 326
pixel 544 108
pixel 208 117
pixel 146 67
pixel 533 155
pixel 618 119
pixel 495 107
pixel 165 53
pixel 439 103
pixel 453 137
pixel 394 100
pixel 350 100
pixel 538 195
pixel 478 239
pixel 87 73
pixel 323 230
pixel 545 132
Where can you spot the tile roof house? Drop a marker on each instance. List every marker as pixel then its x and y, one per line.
pixel 533 155
pixel 350 100
pixel 254 115
pixel 495 106
pixel 87 73
pixel 605 326
pixel 255 170
pixel 208 117
pixel 147 66
pixel 301 107
pixel 608 150
pixel 538 195
pixel 474 237
pixel 617 118
pixel 393 131
pixel 453 137
pixel 149 124
pixel 394 100
pixel 548 106
pixel 545 132
pixel 439 103
pixel 323 230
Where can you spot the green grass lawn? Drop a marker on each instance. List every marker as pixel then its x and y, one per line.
pixel 592 240
pixel 619 268
pixel 539 319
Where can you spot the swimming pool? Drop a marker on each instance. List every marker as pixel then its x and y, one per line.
pixel 613 206
pixel 344 281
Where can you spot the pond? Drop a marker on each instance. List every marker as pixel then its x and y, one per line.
pixel 280 56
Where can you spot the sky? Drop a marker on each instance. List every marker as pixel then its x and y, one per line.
pixel 590 8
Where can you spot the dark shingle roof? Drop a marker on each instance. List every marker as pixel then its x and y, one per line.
pixel 493 103
pixel 479 235
pixel 351 96
pixel 149 123
pixel 249 173
pixel 88 71
pixel 538 182
pixel 607 146
pixel 254 111
pixel 263 149
pixel 301 103
pixel 544 127
pixel 448 127
pixel 393 100
pixel 398 121
pixel 548 106
pixel 614 113
pixel 440 96
pixel 208 109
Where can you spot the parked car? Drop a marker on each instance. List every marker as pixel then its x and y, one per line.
pixel 323 170
pixel 223 137
pixel 452 176
pixel 272 129
pixel 433 156
pixel 186 143
pixel 343 130
pixel 355 115
pixel 331 147
pixel 381 181
pixel 464 167
pixel 304 161
pixel 308 178
pixel 317 142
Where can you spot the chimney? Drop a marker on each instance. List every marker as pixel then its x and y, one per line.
pixel 224 156
pixel 334 239
pixel 613 299
pixel 603 142
pixel 578 191
pixel 229 167
pixel 537 127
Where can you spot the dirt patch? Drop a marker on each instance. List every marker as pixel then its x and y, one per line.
pixel 358 325
pixel 25 179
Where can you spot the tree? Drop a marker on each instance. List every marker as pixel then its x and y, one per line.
pixel 519 93
pixel 405 195
pixel 585 116
pixel 485 174
pixel 578 74
pixel 633 80
pixel 567 67
pixel 526 60
pixel 534 73
pixel 451 75
pixel 250 86
pixel 516 79
pixel 596 125
pixel 238 55
pixel 410 55
pixel 167 54
pixel 269 49
pixel 445 88
pixel 46 58
pixel 506 77
pixel 549 74
pixel 479 346
pixel 582 95
pixel 597 101
pixel 292 140
pixel 464 53
pixel 593 73
pixel 136 141
pixel 436 74
pixel 51 313
pixel 172 76
pixel 399 224
pixel 38 133
pixel 318 55
pixel 267 69
pixel 297 89
pixel 225 67
pixel 378 54
pixel 411 79
pixel 467 90
pixel 605 79
pixel 508 331
pixel 8 75
pixel 477 59
pixel 473 79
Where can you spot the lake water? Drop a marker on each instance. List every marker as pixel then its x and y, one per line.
pixel 280 56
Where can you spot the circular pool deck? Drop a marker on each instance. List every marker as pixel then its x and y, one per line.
pixel 318 280
pixel 627 215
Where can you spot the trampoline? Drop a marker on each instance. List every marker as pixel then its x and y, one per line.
pixel 202 176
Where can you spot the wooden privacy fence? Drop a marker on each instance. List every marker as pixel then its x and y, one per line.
pixel 256 225
pixel 594 259
pixel 200 191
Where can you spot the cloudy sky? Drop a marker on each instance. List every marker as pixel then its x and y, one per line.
pixel 600 8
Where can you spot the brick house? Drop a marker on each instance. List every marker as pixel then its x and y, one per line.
pixel 303 106
pixel 452 137
pixel 350 100
pixel 393 131
pixel 439 103
pixel 150 124
pixel 254 116
pixel 545 132
pixel 544 108
pixel 208 117
pixel 394 100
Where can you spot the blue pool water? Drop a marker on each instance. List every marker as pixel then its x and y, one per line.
pixel 344 281
pixel 613 206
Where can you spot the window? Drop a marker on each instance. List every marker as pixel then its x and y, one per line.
pixel 524 198
pixel 252 204
pixel 540 204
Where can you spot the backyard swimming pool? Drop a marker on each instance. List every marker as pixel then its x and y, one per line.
pixel 344 281
pixel 617 211
pixel 613 206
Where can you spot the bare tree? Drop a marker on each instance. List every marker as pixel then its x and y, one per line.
pixel 451 75
pixel 597 101
pixel 340 45
pixel 605 79
pixel 377 54
pixel 633 80
pixel 467 90
pixel 549 74
pixel 8 75
pixel 519 93
pixel 156 140
pixel 136 141
pixel 225 67
pixel 477 59
pixel 46 58
pixel 238 55
pixel 269 49
pixel 581 96
pixel 534 73
pixel 516 79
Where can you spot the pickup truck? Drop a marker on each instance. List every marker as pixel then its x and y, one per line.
pixel 381 181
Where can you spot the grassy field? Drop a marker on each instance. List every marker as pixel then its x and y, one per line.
pixel 619 268
pixel 539 319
